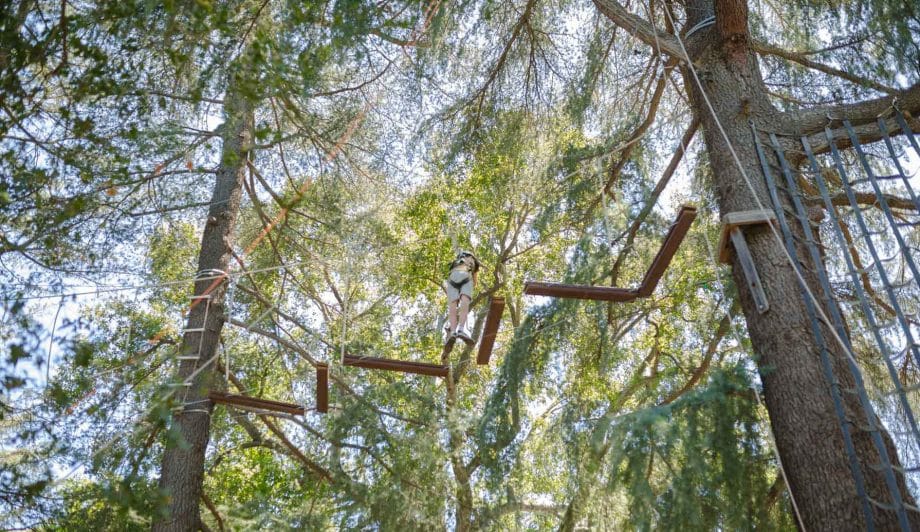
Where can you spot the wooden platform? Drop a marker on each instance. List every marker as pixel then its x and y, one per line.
pixel 490 330
pixel 740 219
pixel 389 364
pixel 669 246
pixel 254 403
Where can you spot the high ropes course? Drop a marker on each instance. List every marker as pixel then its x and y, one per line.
pixel 784 215
pixel 486 344
pixel 875 286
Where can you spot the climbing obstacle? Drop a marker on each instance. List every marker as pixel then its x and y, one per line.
pixel 490 330
pixel 389 364
pixel 257 404
pixel 322 388
pixel 486 345
pixel 872 285
pixel 246 402
pixel 672 241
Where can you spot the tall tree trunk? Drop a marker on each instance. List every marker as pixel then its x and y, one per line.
pixel 797 395
pixel 182 470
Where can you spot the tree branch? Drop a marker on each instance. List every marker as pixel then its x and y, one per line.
pixel 653 197
pixel 866 133
pixel 866 198
pixel 707 360
pixel 802 59
pixel 641 28
pixel 811 121
pixel 213 509
pixel 513 507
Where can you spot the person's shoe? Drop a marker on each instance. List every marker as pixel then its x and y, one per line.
pixel 463 333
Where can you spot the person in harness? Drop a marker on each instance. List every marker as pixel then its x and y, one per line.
pixel 459 287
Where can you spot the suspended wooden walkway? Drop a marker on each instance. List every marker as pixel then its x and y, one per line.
pixel 257 404
pixel 389 364
pixel 253 403
pixel 660 264
pixel 486 345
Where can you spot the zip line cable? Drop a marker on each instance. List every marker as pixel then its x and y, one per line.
pixel 752 189
pixel 810 296
pixel 719 284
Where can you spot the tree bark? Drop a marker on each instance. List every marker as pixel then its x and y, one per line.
pixel 797 395
pixel 183 463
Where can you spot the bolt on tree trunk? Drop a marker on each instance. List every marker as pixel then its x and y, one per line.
pixel 182 470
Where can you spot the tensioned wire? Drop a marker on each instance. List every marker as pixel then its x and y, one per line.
pixel 719 284
pixel 718 273
pixel 806 289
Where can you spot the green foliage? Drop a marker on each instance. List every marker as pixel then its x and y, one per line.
pixel 386 134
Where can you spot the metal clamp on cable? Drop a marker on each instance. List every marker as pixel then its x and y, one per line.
pixel 708 21
pixel 211 273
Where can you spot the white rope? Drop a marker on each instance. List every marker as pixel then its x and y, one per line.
pixel 738 340
pixel 51 343
pixel 760 205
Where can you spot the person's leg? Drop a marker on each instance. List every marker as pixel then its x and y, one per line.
pixel 452 316
pixel 463 328
pixel 464 310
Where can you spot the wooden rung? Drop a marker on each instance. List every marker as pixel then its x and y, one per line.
pixel 322 388
pixel 254 403
pixel 193 330
pixel 738 219
pixel 202 296
pixel 189 357
pixel 577 291
pixel 669 246
pixel 490 330
pixel 389 364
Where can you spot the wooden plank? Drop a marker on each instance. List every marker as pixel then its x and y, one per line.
pixel 669 246
pixel 490 330
pixel 389 364
pixel 575 291
pixel 322 388
pixel 738 219
pixel 255 403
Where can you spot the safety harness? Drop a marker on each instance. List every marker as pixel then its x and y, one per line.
pixel 460 260
pixel 459 286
